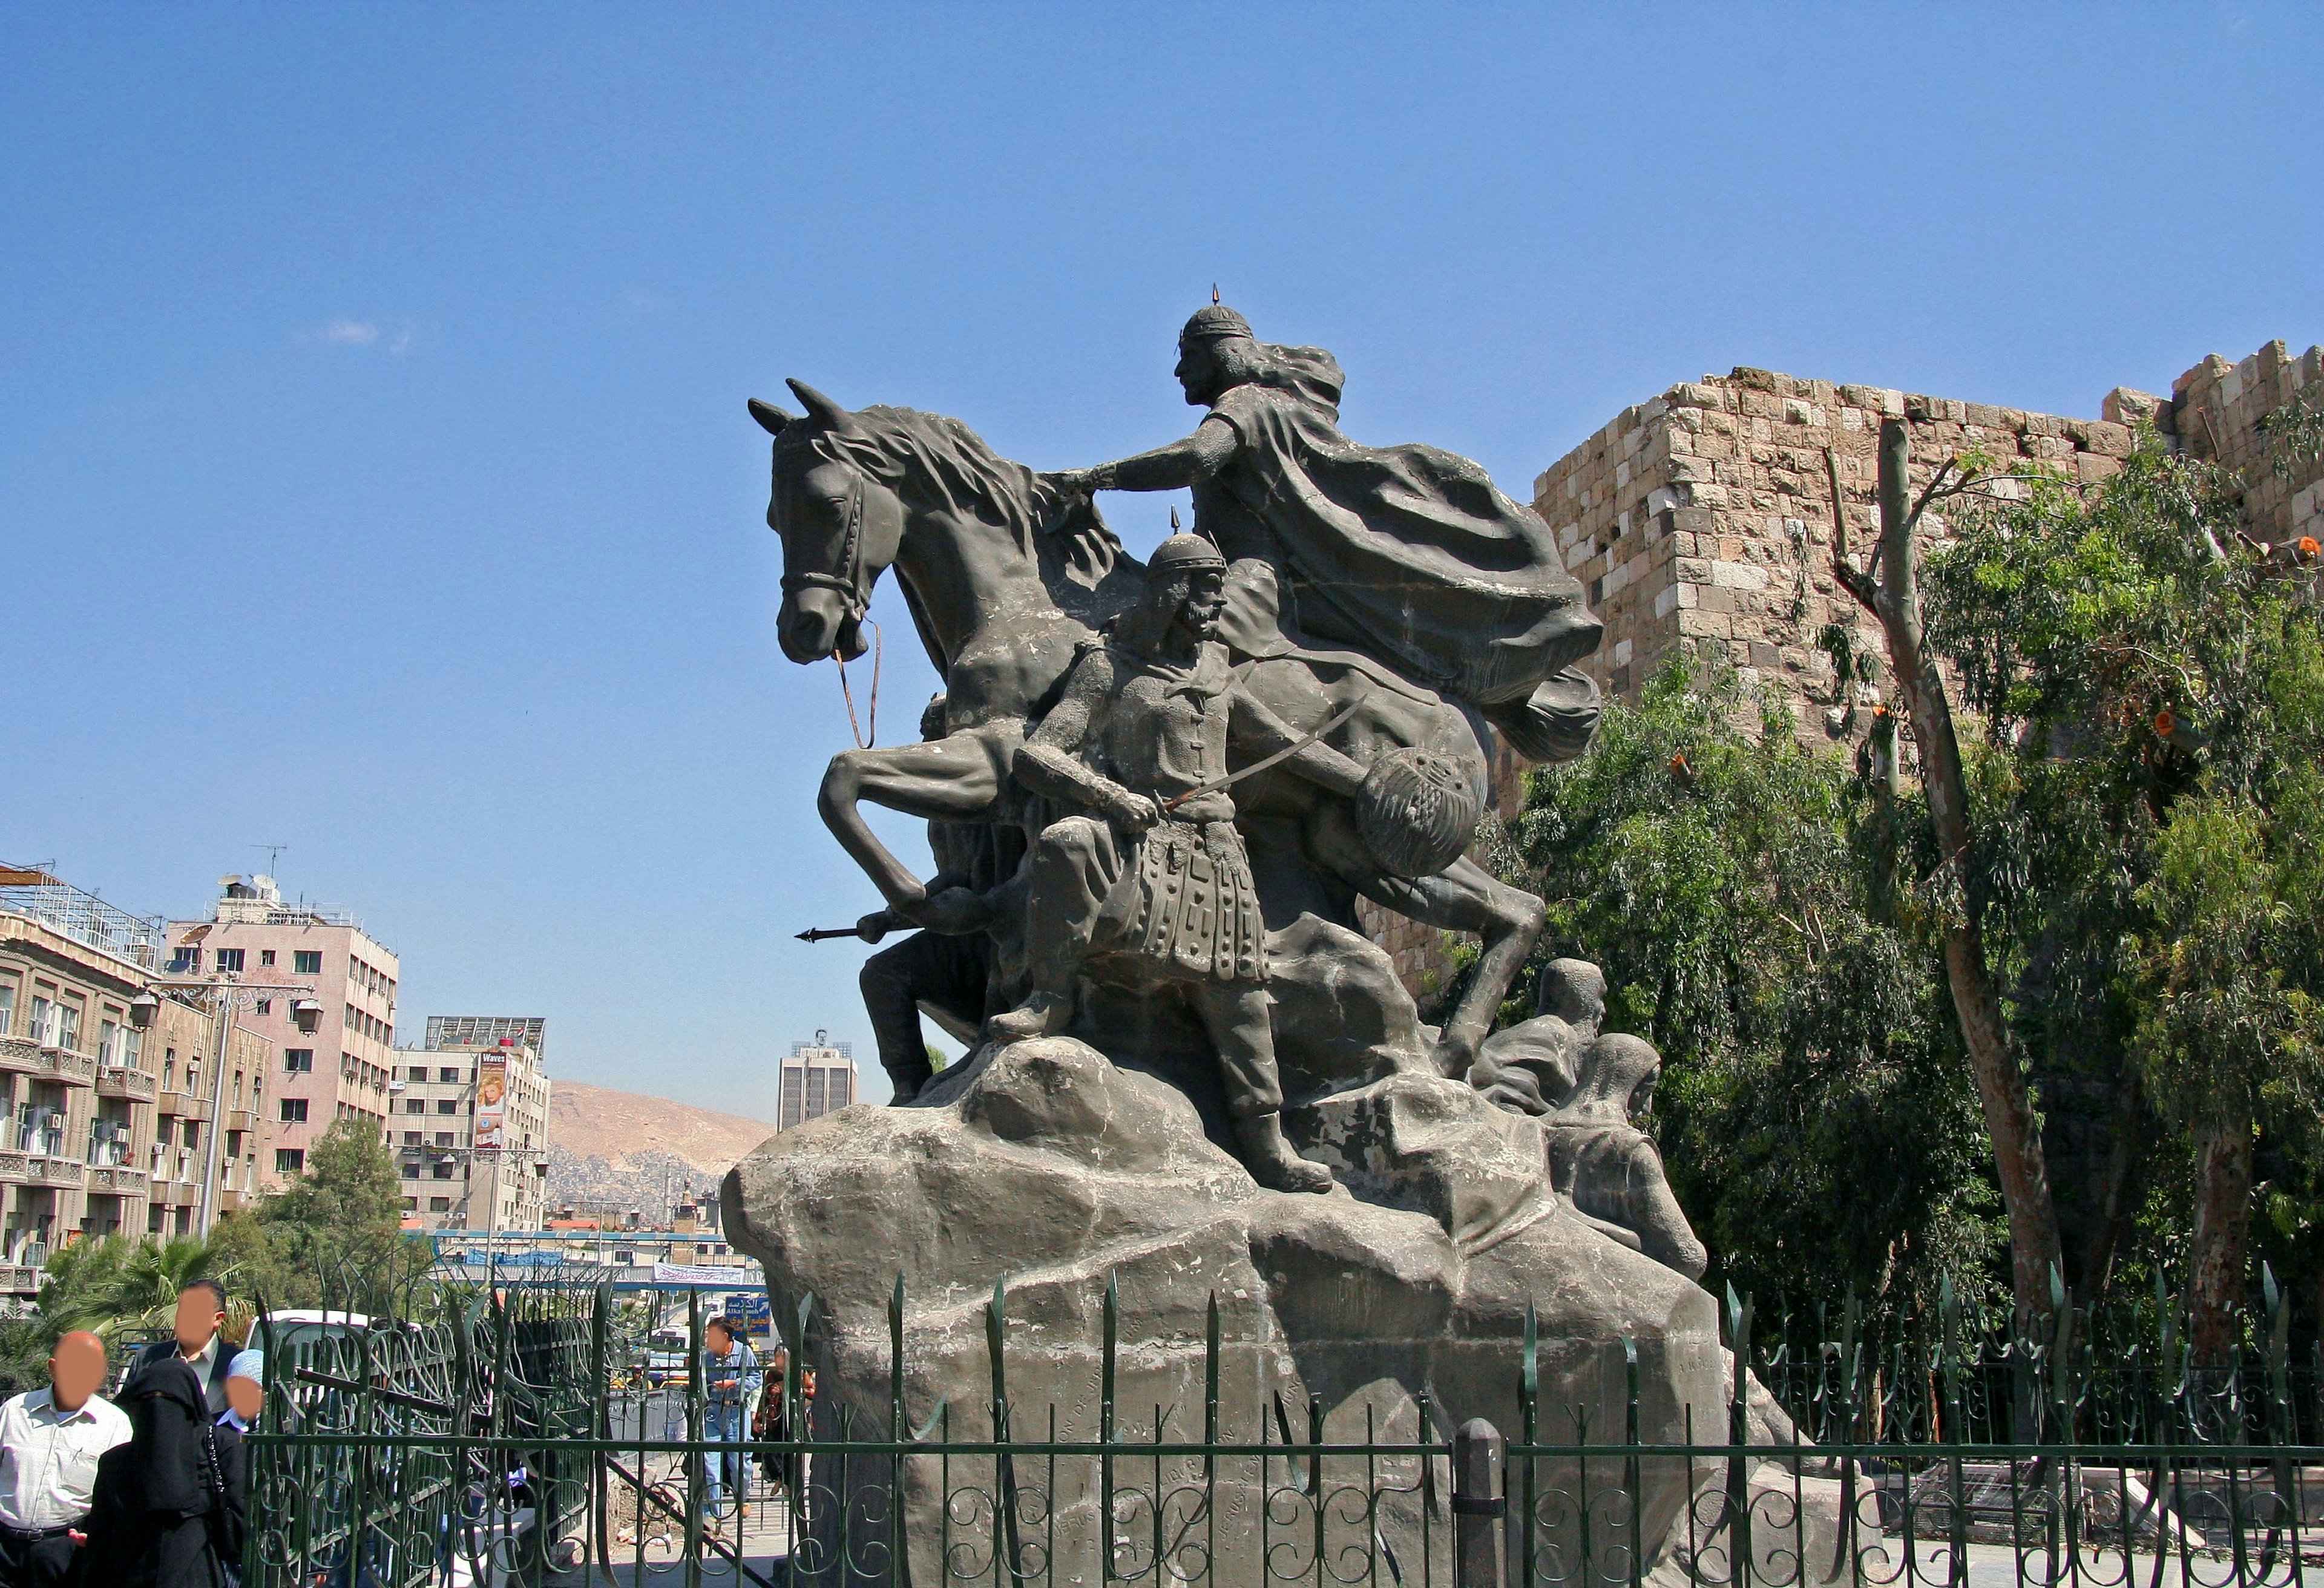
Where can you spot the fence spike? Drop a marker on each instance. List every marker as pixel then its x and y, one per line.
pixel 1211 1374
pixel 896 1416
pixel 1106 1364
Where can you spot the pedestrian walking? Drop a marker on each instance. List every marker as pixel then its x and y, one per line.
pixel 163 1516
pixel 767 1423
pixel 730 1377
pixel 51 1441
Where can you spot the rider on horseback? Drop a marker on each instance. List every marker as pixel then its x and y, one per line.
pixel 1408 553
pixel 1154 885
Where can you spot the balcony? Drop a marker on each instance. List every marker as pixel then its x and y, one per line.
pixel 240 1119
pixel 13 1167
pixel 28 1057
pixel 185 1105
pixel 40 1170
pixel 120 1081
pixel 16 1280
pixel 120 1180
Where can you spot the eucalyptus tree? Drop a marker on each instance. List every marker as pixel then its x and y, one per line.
pixel 2151 683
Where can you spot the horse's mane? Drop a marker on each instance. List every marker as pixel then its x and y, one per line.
pixel 943 465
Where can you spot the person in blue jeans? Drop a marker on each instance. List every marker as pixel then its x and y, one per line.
pixel 730 1378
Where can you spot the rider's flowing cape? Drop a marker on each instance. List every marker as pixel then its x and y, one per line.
pixel 1407 552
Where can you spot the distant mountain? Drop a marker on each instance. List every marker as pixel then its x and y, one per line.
pixel 631 1151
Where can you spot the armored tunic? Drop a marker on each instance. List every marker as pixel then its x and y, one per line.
pixel 1180 897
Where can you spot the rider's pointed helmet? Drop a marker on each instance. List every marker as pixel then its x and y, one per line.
pixel 1184 553
pixel 1212 321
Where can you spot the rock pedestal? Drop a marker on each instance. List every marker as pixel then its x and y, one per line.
pixel 1401 1295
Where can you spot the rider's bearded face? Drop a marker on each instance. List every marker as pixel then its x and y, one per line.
pixel 1209 366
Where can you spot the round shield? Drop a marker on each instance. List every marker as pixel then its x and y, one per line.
pixel 1417 812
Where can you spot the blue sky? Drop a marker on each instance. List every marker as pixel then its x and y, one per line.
pixel 374 477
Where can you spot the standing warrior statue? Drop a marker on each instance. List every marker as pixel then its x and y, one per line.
pixel 1408 553
pixel 1153 884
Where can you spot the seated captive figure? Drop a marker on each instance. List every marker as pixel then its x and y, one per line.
pixel 1155 876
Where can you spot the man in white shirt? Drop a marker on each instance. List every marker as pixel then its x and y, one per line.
pixel 49 1440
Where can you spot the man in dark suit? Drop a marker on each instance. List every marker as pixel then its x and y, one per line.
pixel 202 1316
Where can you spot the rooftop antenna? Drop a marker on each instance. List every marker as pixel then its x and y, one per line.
pixel 272 850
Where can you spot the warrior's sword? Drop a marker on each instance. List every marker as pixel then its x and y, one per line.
pixel 1288 750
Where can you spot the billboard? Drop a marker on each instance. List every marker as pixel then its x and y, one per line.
pixel 492 1104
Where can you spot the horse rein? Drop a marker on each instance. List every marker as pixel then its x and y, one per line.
pixel 848 586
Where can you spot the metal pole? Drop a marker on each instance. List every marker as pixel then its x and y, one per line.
pixel 223 1000
pixel 1481 1508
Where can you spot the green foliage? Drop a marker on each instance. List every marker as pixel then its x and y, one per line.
pixel 2295 431
pixel 2152 691
pixel 335 1231
pixel 123 1288
pixel 1741 894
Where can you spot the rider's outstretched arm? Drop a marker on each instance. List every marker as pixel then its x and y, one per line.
pixel 1181 463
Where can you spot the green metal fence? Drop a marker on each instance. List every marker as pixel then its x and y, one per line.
pixel 395 1454
pixel 528 1440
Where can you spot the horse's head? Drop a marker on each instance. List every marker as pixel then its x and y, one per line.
pixel 840 527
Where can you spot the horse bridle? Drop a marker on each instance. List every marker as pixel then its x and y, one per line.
pixel 847 584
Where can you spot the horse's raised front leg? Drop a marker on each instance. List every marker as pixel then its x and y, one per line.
pixel 1467 898
pixel 954 778
pixel 1462 898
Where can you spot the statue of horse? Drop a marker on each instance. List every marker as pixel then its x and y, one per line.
pixel 1004 578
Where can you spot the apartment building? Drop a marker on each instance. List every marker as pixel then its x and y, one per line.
pixel 470 1126
pixel 817 1078
pixel 107 1116
pixel 341 1069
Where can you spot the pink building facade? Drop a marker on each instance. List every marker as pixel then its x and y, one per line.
pixel 341 1069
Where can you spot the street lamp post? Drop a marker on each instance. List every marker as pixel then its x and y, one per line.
pixel 223 994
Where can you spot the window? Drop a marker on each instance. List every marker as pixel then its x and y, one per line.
pixel 450 1073
pixel 307 962
pixel 443 1137
pixel 132 1047
pixel 230 960
pixel 418 1072
pixel 7 1007
pixel 439 1205
pixel 193 1134
pixel 414 1137
pixel 448 1106
pixel 265 956
pixel 108 1035
pixel 67 1026
pixel 298 1061
pixel 412 1204
pixel 266 1006
pixel 415 1105
pixel 289 1160
pixel 294 1110
pixel 443 1171
pixel 185 961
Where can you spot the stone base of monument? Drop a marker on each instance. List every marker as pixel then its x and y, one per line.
pixel 1052 1168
